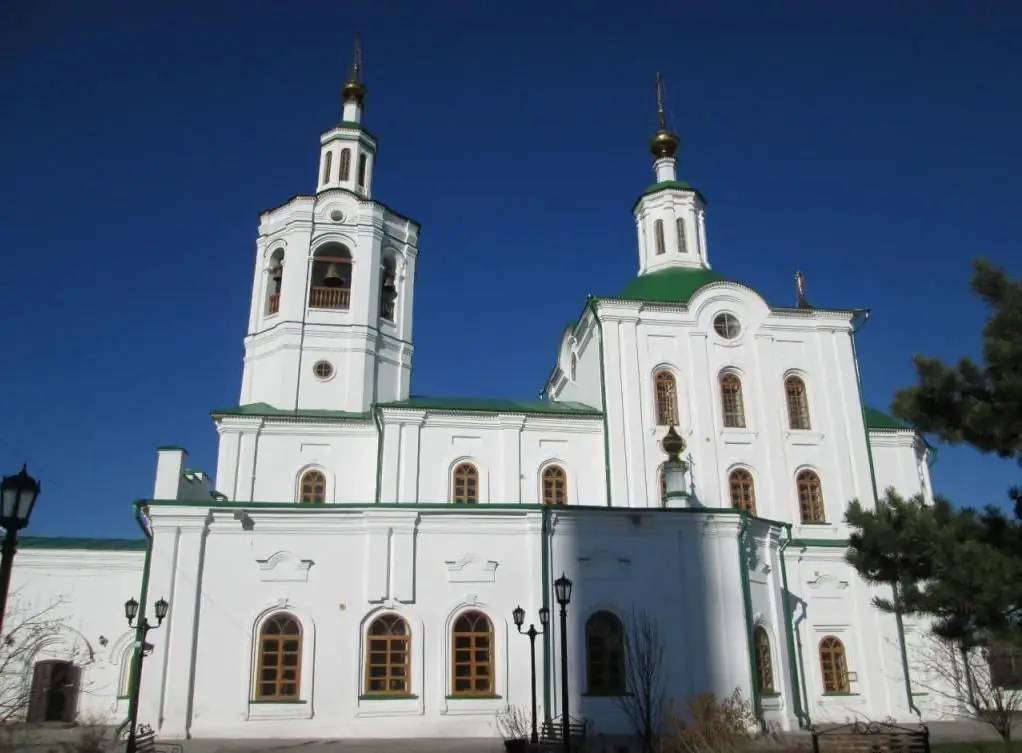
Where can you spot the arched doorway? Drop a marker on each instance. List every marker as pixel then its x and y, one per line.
pixel 54 695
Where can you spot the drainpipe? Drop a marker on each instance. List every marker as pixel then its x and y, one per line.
pixel 796 693
pixel 743 569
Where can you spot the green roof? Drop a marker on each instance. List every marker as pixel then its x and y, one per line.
pixel 876 419
pixel 494 405
pixel 77 542
pixel 265 410
pixel 672 285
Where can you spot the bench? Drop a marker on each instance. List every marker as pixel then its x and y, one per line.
pixel 871 737
pixel 551 735
pixel 145 742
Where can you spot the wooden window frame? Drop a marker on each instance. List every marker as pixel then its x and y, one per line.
pixel 393 643
pixel 328 163
pixel 554 485
pixel 467 475
pixel 279 666
pixel 809 489
pixel 742 488
pixel 732 401
pixel 345 172
pixel 605 674
pixel 665 397
pixel 476 617
pixel 303 480
pixel 764 660
pixel 796 399
pixel 682 241
pixel 659 241
pixel 833 658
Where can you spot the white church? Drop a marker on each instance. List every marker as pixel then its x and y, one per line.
pixel 352 568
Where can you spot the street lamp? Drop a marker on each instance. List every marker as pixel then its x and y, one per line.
pixel 675 470
pixel 18 494
pixel 143 627
pixel 544 618
pixel 562 590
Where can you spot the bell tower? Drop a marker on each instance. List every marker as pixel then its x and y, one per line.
pixel 670 214
pixel 330 325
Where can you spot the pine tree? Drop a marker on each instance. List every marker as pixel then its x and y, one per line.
pixel 961 566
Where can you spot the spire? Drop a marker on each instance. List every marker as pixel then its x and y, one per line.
pixel 354 92
pixel 665 142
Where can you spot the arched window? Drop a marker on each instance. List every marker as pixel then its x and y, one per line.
pixel 658 237
pixel 833 665
pixel 345 164
pixel 465 486
pixel 472 662
pixel 328 162
pixel 605 655
pixel 665 390
pixel 682 244
pixel 388 663
pixel 275 273
pixel 810 497
pixel 279 661
pixel 363 163
pixel 743 491
pixel 312 487
pixel 798 403
pixel 555 485
pixel 388 290
pixel 731 401
pixel 764 663
pixel 330 281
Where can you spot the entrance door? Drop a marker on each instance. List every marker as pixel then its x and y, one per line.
pixel 54 695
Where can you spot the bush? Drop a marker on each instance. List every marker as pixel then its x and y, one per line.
pixel 706 724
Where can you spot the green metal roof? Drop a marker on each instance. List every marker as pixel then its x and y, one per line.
pixel 76 542
pixel 876 419
pixel 672 285
pixel 494 405
pixel 264 410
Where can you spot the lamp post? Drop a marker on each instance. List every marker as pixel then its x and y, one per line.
pixel 675 470
pixel 562 589
pixel 544 619
pixel 18 494
pixel 143 627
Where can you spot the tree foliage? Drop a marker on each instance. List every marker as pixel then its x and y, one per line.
pixel 962 566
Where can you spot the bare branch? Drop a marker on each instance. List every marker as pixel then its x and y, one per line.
pixel 645 701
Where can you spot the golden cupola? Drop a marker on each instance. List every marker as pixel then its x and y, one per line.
pixel 665 143
pixel 355 89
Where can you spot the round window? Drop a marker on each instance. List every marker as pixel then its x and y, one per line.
pixel 337 215
pixel 727 326
pixel 323 369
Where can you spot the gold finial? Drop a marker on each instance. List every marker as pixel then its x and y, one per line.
pixel 354 89
pixel 664 143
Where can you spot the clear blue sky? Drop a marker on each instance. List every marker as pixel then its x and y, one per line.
pixel 875 150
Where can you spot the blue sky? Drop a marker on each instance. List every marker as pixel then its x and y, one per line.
pixel 874 149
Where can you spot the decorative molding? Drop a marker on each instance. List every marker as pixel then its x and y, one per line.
pixel 820 580
pixel 284 567
pixel 469 569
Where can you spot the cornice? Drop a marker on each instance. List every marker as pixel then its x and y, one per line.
pixel 75 560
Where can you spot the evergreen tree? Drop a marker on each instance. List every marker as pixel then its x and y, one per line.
pixel 962 566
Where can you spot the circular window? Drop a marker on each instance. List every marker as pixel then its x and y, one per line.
pixel 323 369
pixel 337 215
pixel 727 326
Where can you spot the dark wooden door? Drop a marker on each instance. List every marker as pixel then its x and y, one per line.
pixel 54 693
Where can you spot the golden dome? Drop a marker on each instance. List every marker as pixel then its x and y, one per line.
pixel 664 143
pixel 354 91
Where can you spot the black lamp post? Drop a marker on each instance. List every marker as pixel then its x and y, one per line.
pixel 544 619
pixel 562 589
pixel 18 494
pixel 143 627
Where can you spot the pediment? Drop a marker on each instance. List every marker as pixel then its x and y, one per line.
pixel 282 567
pixel 471 569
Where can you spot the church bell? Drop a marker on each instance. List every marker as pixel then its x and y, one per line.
pixel 332 278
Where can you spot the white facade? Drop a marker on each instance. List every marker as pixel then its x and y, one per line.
pixel 340 499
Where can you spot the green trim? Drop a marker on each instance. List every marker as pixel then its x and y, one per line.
pixel 143 594
pixel 840 695
pixel 603 396
pixel 668 185
pixel 878 420
pixel 789 634
pixel 545 591
pixel 743 569
pixel 74 542
pixel 274 702
pixel 473 697
pixel 493 405
pixel 387 696
pixel 325 508
pixel 354 126
pixel 378 420
pixel 265 410
pixel 820 543
pixel 877 416
pixel 168 447
pixel 815 523
pixel 123 698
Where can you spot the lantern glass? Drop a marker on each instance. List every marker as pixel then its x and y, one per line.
pixel 519 616
pixel 18 494
pixel 161 609
pixel 131 609
pixel 544 616
pixel 562 588
pixel 674 477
